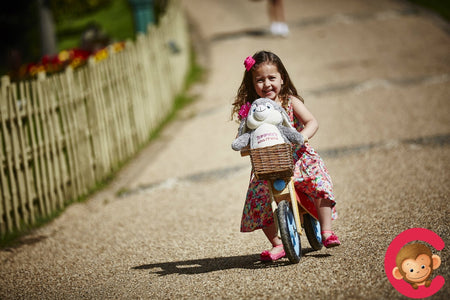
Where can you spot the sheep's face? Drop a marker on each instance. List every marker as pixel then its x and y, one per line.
pixel 263 112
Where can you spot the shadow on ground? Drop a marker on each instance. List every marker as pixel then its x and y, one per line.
pixel 206 265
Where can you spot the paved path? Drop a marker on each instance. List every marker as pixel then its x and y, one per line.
pixel 376 75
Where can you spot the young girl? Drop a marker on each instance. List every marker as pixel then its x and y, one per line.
pixel 266 77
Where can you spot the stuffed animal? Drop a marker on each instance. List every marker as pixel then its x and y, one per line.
pixel 266 124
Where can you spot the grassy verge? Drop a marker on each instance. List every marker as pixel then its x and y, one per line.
pixel 194 75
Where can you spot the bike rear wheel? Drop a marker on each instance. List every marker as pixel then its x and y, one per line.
pixel 312 230
pixel 289 233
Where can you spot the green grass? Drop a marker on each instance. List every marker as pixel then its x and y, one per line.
pixel 13 239
pixel 116 20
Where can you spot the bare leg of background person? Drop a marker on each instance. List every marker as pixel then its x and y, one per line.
pixel 277 18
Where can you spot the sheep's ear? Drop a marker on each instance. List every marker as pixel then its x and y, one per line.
pixel 286 121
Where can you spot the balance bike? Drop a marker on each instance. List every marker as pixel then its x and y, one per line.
pixel 275 165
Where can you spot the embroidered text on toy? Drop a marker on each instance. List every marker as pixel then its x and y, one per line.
pixel 271 136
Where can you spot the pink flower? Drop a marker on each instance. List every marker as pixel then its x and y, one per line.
pixel 243 111
pixel 249 62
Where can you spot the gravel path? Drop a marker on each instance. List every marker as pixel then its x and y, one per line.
pixel 376 75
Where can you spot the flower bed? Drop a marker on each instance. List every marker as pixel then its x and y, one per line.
pixel 74 57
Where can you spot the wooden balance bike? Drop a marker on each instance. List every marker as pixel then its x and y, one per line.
pixel 292 211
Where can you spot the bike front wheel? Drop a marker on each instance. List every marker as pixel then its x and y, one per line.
pixel 289 233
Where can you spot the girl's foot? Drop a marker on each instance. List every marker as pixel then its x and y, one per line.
pixel 329 239
pixel 273 254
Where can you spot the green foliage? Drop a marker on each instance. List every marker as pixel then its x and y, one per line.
pixel 116 20
pixel 114 17
pixel 442 7
pixel 76 8
pixel 20 42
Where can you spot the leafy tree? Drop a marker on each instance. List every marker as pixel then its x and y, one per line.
pixel 76 8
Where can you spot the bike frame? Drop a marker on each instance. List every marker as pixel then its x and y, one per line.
pixel 288 193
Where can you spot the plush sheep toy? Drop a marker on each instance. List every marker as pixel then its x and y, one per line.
pixel 266 124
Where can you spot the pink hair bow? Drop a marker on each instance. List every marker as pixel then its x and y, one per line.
pixel 249 62
pixel 243 112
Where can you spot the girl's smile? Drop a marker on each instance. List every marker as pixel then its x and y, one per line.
pixel 267 81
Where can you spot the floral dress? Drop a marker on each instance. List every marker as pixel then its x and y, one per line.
pixel 310 177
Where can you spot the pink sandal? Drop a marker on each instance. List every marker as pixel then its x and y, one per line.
pixel 331 241
pixel 267 256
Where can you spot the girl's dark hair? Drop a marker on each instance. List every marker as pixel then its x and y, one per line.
pixel 246 92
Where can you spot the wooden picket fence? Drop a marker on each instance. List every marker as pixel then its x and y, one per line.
pixel 62 134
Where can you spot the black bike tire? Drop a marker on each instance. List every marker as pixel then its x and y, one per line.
pixel 282 215
pixel 310 232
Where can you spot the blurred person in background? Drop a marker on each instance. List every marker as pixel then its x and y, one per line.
pixel 277 18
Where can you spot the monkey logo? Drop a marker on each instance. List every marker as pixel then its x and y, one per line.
pixel 410 259
pixel 415 264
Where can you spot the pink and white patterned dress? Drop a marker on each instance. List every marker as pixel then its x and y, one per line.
pixel 310 177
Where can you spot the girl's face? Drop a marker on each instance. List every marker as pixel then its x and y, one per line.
pixel 267 81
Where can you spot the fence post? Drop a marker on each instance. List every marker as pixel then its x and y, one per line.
pixel 41 107
pixel 6 223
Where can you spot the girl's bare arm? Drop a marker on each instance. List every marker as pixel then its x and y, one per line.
pixel 305 117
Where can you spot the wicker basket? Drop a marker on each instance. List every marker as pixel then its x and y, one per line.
pixel 272 162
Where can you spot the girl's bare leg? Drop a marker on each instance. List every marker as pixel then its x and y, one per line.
pixel 323 207
pixel 271 233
